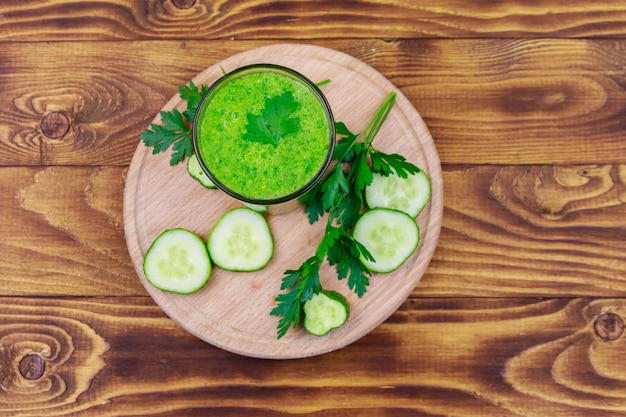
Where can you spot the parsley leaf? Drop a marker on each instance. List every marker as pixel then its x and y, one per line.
pixel 349 208
pixel 345 252
pixel 302 284
pixel 275 120
pixel 362 174
pixel 193 96
pixel 386 164
pixel 313 203
pixel 344 148
pixel 335 184
pixel 174 131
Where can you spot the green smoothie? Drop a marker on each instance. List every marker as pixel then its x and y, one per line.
pixel 264 98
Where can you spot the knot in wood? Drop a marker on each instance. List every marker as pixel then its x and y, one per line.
pixel 609 326
pixel 55 125
pixel 184 4
pixel 32 366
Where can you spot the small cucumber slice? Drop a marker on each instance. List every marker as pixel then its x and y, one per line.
pixel 391 237
pixel 241 241
pixel 325 311
pixel 195 170
pixel 259 208
pixel 177 261
pixel 410 194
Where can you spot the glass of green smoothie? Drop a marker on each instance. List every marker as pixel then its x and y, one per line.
pixel 265 135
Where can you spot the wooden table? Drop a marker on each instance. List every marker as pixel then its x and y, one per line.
pixel 520 311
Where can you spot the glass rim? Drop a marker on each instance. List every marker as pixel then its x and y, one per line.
pixel 266 67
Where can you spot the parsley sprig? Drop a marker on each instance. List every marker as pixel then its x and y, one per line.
pixel 274 121
pixel 341 195
pixel 175 130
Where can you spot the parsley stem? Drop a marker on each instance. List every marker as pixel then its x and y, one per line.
pixel 371 130
pixel 373 127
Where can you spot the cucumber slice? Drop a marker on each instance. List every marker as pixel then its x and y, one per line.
pixel 324 312
pixel 259 208
pixel 195 170
pixel 410 194
pixel 391 237
pixel 241 241
pixel 177 261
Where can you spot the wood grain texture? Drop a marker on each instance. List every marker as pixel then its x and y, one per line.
pixel 485 101
pixel 62 232
pixel 458 357
pixel 502 235
pixel 525 101
pixel 530 230
pixel 297 19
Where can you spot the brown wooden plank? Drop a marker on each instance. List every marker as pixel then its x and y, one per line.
pixel 432 357
pixel 507 231
pixel 205 19
pixel 62 232
pixel 512 101
pixel 485 101
pixel 531 230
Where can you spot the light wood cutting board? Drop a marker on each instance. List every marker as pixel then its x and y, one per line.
pixel 232 310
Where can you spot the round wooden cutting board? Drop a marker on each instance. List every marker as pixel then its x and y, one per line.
pixel 233 310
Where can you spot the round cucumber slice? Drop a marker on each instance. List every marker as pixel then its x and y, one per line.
pixel 410 194
pixel 391 237
pixel 241 241
pixel 177 261
pixel 324 312
pixel 195 170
